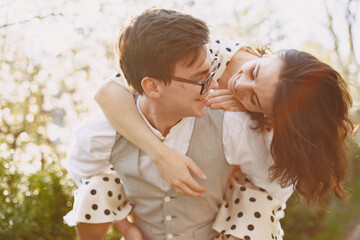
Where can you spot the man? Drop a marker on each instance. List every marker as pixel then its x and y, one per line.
pixel 163 56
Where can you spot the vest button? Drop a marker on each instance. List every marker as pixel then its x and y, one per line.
pixel 167 199
pixel 170 236
pixel 168 218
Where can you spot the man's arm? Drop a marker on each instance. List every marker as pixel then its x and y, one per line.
pixel 119 108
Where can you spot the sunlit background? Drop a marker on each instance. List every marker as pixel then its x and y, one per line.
pixel 55 54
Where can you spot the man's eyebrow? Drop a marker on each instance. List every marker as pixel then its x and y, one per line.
pixel 199 73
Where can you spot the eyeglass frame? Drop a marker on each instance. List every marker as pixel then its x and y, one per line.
pixel 203 83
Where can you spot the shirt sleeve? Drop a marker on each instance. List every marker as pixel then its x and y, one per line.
pixel 246 147
pixel 225 50
pixel 91 150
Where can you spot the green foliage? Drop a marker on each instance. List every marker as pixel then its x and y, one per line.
pixel 303 222
pixel 33 206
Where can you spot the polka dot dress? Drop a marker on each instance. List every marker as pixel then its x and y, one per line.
pixel 99 199
pixel 250 214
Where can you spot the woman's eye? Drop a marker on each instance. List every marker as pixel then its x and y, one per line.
pixel 252 72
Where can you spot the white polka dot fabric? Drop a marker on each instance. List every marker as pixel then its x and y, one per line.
pixel 249 213
pixel 99 199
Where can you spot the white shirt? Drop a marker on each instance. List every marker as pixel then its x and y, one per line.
pixel 242 146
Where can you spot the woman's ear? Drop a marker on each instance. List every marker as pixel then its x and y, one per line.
pixel 151 87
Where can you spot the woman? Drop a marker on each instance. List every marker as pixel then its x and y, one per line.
pixel 283 92
pixel 306 108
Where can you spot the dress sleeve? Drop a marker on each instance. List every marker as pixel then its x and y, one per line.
pixel 91 150
pixel 119 78
pixel 246 147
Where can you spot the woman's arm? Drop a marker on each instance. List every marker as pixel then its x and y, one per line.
pixel 173 166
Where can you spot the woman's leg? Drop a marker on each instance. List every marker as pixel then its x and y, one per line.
pixel 89 231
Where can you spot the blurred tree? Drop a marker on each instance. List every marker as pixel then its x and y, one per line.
pixel 52 60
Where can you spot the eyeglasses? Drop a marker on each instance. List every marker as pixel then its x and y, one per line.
pixel 206 83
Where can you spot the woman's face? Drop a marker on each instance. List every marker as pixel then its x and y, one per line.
pixel 254 84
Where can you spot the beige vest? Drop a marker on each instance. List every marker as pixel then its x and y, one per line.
pixel 167 215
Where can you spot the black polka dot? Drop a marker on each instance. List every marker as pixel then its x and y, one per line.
pixel 233 227
pixel 257 214
pixel 219 65
pixel 228 49
pixel 114 213
pixel 237 201
pixel 269 197
pixel 261 189
pixel 250 227
pixel 117 180
pixel 112 168
pixel 227 235
pixel 110 193
pixel 242 189
pixel 87 216
pixel 246 237
pixel 105 179
pixel 94 206
pixel 119 208
pixel 93 192
pixel 273 212
pixel 119 197
pixel 252 199
pixel 107 212
pixel 217 41
pixel 272 218
pixel 228 218
pixel 222 232
pixel 237 44
pixel 87 182
pixel 226 205
pixel 279 208
pixel 211 51
pixel 240 214
pixel 272 236
pixel 227 63
pixel 118 75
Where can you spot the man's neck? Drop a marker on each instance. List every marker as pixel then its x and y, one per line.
pixel 157 117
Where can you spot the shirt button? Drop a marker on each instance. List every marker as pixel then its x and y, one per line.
pixel 168 218
pixel 167 199
pixel 170 236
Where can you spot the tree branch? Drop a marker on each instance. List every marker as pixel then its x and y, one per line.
pixel 31 19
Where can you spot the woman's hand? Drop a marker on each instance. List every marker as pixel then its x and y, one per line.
pixel 175 168
pixel 224 99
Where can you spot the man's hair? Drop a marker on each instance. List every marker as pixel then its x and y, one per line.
pixel 156 40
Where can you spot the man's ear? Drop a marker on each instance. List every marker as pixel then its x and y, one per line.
pixel 151 86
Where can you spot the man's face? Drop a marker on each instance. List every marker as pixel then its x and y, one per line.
pixel 183 99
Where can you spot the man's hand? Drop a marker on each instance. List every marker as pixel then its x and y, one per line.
pixel 224 99
pixel 174 167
